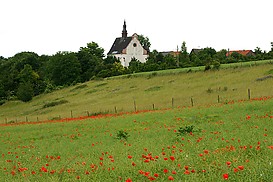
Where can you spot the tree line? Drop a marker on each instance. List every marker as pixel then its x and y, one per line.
pixel 27 74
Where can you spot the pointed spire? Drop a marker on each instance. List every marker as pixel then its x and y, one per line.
pixel 124 31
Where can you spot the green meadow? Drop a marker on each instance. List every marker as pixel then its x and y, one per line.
pixel 231 141
pixel 175 125
pixel 145 91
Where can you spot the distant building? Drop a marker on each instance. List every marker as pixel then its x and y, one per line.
pixel 173 53
pixel 195 51
pixel 126 48
pixel 242 52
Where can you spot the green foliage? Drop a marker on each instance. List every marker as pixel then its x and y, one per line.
pixel 122 135
pixel 207 67
pixel 144 41
pixel 185 130
pixel 91 61
pixel 216 65
pixel 64 68
pixel 2 102
pixel 25 92
pixel 209 90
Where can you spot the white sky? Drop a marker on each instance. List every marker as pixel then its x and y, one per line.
pixel 48 26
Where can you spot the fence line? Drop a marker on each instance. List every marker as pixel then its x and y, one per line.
pixel 192 104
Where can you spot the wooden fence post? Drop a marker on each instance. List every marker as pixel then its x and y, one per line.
pixel 116 110
pixel 191 101
pixel 172 102
pixel 6 119
pixel 153 106
pixel 135 106
pixel 26 119
pixel 218 98
pixel 71 114
pixel 248 91
pixel 88 113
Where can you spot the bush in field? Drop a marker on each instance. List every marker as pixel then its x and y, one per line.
pixel 185 130
pixel 216 65
pixel 122 135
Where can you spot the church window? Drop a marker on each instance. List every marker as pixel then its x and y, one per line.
pixel 134 44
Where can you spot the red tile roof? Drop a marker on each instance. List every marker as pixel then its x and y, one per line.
pixel 242 52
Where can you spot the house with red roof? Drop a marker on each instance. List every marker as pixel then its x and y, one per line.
pixel 242 52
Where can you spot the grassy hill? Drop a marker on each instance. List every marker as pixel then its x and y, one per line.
pixel 163 89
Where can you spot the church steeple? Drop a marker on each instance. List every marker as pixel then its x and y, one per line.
pixel 124 31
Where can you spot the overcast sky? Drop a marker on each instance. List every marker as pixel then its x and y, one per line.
pixel 49 26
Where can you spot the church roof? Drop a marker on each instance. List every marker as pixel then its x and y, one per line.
pixel 120 44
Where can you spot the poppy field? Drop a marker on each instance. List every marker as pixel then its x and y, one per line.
pixel 231 141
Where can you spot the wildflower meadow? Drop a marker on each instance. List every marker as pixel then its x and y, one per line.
pixel 221 142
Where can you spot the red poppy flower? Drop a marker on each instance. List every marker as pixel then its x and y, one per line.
pixel 172 158
pixel 128 180
pixel 241 167
pixel 170 178
pixel 225 176
pixel 228 163
pixel 165 170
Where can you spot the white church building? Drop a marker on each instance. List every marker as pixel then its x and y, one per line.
pixel 126 48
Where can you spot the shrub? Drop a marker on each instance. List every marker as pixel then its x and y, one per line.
pixel 207 67
pixel 122 135
pixel 210 90
pixel 216 65
pixel 2 102
pixel 185 130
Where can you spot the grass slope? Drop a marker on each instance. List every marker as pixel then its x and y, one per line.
pixel 145 90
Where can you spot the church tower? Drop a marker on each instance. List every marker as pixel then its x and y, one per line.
pixel 124 31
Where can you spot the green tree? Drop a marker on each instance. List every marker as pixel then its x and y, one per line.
pixel 24 58
pixel 91 60
pixel 271 46
pixel 25 91
pixel 64 68
pixel 28 75
pixel 117 69
pixel 206 55
pixel 144 41
pixel 3 93
pixel 184 58
pixel 135 66
pixel 221 56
